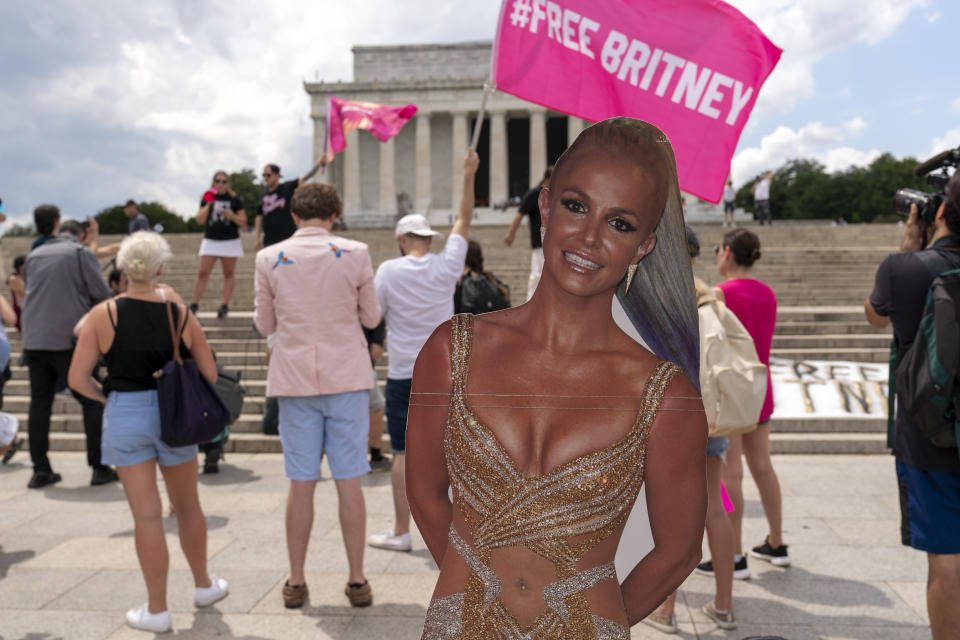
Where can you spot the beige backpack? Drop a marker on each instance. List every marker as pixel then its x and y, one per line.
pixel 733 381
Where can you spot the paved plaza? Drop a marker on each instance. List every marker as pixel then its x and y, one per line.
pixel 68 568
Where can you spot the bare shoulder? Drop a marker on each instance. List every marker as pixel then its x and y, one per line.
pixel 170 293
pixel 99 310
pixel 637 364
pixel 98 317
pixel 681 395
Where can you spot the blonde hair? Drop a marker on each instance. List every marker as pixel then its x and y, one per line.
pixel 142 254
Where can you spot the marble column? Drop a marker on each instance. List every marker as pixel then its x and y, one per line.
pixel 319 133
pixel 351 173
pixel 459 151
pixel 498 157
pixel 388 178
pixel 538 145
pixel 574 127
pixel 424 188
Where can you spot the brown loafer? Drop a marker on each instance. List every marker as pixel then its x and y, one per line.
pixel 360 595
pixel 294 595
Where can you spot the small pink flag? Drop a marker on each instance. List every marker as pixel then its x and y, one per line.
pixel 343 116
pixel 727 502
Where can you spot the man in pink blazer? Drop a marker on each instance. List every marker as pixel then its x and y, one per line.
pixel 314 290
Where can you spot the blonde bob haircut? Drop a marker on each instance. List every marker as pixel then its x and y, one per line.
pixel 142 254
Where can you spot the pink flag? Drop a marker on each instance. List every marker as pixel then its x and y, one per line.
pixel 691 67
pixel 343 116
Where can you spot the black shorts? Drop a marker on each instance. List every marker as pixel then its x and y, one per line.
pixel 398 403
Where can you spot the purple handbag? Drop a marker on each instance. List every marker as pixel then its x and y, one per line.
pixel 191 412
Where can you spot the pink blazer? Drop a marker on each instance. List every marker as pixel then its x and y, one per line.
pixel 314 290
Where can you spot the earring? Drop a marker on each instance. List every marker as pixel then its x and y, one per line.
pixel 543 233
pixel 631 271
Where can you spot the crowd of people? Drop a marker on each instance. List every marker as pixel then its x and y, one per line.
pixel 526 512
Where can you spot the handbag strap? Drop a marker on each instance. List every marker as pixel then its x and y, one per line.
pixel 174 338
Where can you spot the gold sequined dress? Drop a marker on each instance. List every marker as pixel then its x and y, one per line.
pixel 560 516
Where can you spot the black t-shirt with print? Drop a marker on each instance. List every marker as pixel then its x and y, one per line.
pixel 219 227
pixel 274 206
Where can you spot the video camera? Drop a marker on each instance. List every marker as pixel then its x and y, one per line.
pixel 928 203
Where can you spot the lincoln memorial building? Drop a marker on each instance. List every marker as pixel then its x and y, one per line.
pixel 422 167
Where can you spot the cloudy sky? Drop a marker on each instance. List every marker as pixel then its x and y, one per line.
pixel 112 99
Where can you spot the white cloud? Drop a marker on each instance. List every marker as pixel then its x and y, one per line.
pixel 814 140
pixel 955 106
pixel 855 125
pixel 809 30
pixel 933 17
pixel 949 140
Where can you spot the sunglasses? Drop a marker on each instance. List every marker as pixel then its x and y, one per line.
pixel 267 175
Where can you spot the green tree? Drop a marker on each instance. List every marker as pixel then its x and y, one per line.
pixel 113 220
pixel 870 189
pixel 802 189
pixel 244 184
pixel 23 230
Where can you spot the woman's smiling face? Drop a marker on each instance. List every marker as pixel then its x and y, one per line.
pixel 600 213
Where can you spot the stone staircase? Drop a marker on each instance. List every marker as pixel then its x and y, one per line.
pixel 821 275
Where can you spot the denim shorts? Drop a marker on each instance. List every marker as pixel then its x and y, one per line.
pixel 335 423
pixel 717 446
pixel 398 403
pixel 131 432
pixel 377 401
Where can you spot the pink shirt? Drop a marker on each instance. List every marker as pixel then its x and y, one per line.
pixel 314 290
pixel 755 305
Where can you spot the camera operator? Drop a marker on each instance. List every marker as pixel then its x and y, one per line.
pixel 928 476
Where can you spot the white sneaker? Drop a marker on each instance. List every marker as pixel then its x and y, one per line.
pixel 206 596
pixel 387 540
pixel 141 618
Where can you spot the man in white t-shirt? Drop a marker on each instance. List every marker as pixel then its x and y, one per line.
pixel 415 293
pixel 761 197
pixel 729 203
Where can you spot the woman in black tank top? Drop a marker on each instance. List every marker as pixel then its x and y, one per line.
pixel 132 332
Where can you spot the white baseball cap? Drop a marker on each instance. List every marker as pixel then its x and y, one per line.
pixel 416 224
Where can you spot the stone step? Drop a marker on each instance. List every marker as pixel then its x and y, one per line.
pixel 863 354
pixel 814 313
pixel 828 327
pixel 828 425
pixel 831 341
pixel 820 274
pixel 828 443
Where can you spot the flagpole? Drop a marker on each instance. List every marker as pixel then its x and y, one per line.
pixel 326 134
pixel 479 123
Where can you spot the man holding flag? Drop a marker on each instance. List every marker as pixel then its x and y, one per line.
pixel 273 214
